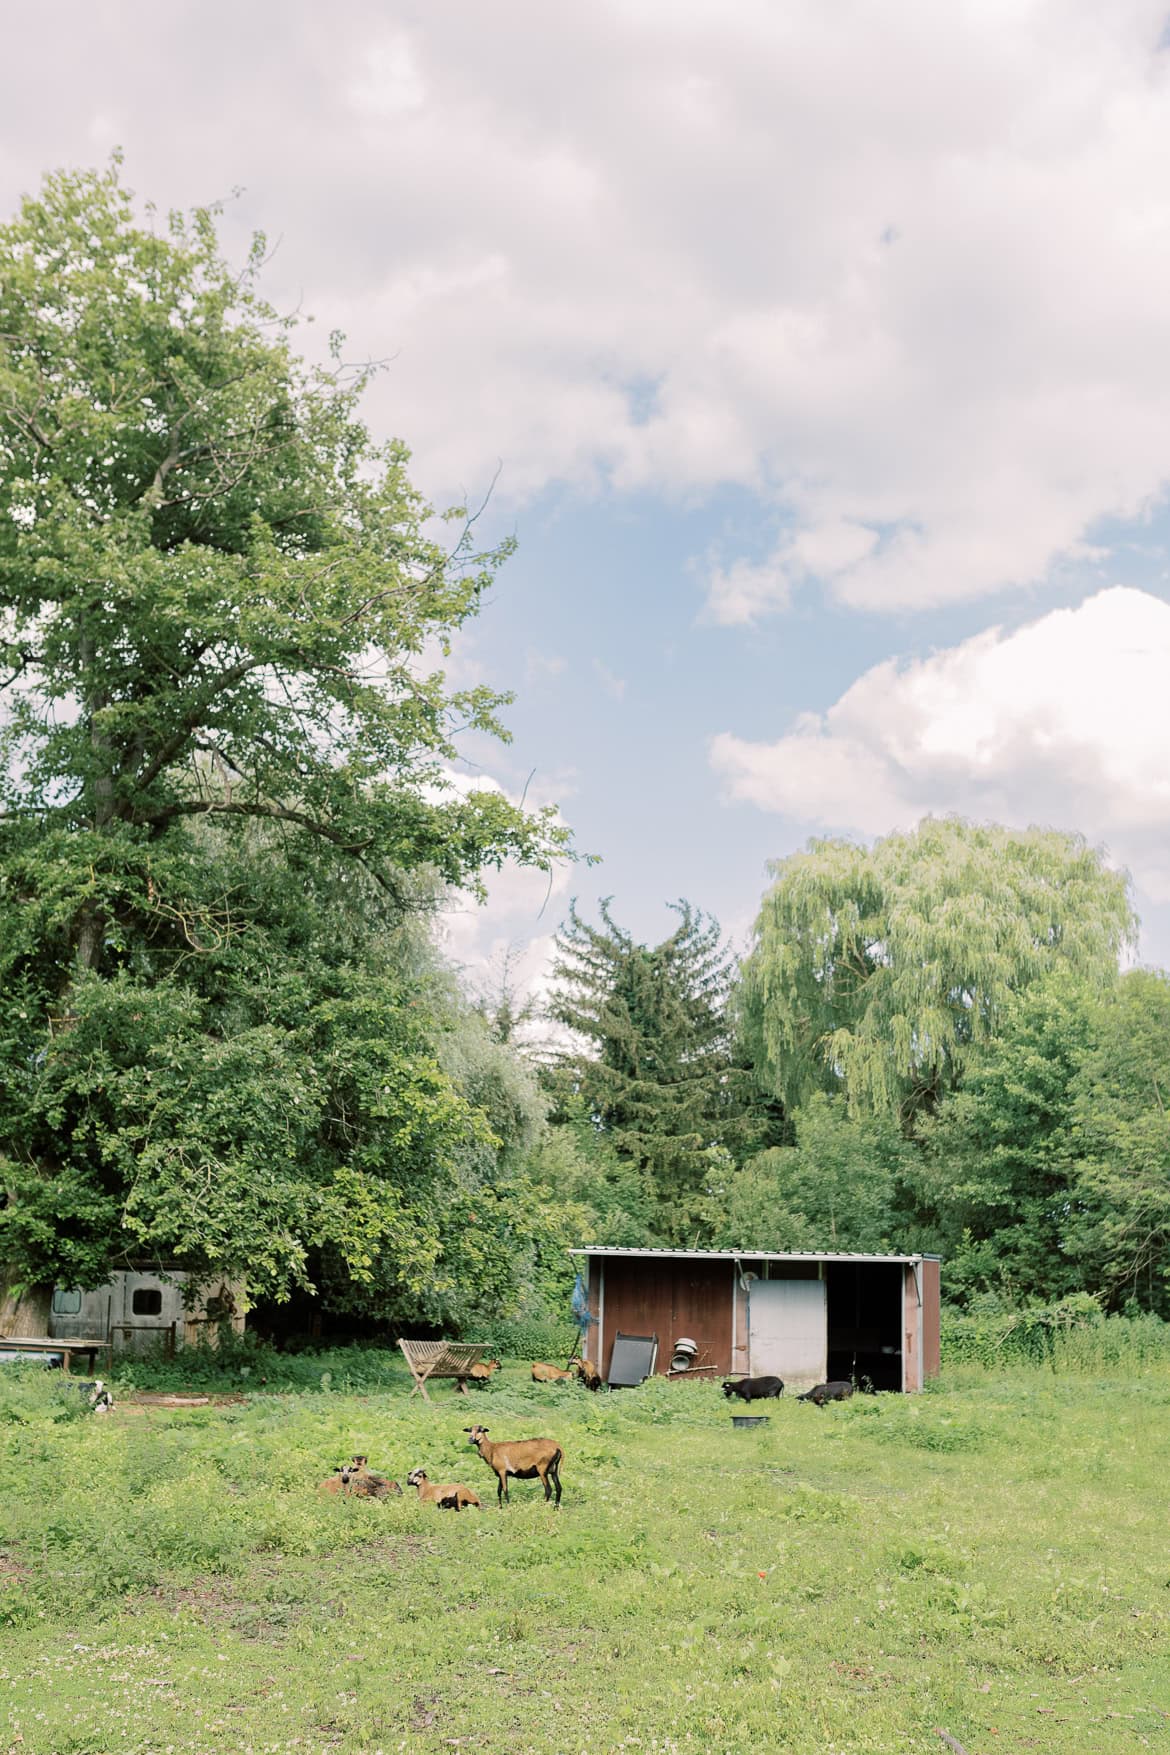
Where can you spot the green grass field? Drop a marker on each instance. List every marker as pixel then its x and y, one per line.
pixel 991 1559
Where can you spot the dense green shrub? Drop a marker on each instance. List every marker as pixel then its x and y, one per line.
pixel 1072 1334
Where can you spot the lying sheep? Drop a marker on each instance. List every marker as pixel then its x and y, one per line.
pixel 839 1390
pixel 452 1497
pixel 97 1395
pixel 754 1389
pixel 525 1458
pixel 482 1373
pixel 356 1480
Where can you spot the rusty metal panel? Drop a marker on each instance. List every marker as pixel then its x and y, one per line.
pixel 704 1294
pixel 644 1296
pixel 638 1301
pixel 931 1320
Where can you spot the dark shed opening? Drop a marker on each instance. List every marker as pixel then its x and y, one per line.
pixel 864 1300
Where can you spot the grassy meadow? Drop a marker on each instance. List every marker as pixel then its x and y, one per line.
pixel 990 1559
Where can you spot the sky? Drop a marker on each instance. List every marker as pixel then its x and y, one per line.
pixel 818 357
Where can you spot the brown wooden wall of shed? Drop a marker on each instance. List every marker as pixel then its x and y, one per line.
pixel 645 1296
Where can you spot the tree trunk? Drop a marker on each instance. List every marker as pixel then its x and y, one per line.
pixel 91 922
pixel 24 1312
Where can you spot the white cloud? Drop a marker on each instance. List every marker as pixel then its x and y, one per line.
pixel 1066 722
pixel 746 590
pixel 542 666
pixel 900 270
pixel 613 685
pixel 517 923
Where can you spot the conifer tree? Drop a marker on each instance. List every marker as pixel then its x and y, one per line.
pixel 656 1068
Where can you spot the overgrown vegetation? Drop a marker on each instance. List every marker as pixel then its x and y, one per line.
pixel 986 1558
pixel 225 794
pixel 228 810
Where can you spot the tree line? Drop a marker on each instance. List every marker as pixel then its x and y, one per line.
pixel 228 1042
pixel 929 1045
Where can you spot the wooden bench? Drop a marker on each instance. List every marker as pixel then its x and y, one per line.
pixel 428 1359
pixel 65 1345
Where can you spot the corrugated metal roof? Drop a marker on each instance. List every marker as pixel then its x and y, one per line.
pixel 754 1254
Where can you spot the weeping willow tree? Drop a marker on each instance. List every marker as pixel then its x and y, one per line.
pixel 876 971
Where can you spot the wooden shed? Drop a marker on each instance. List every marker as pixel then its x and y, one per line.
pixel 805 1317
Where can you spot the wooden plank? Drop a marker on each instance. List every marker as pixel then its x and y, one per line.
pixel 65 1346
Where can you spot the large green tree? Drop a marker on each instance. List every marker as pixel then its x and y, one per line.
pixel 995 1180
pixel 220 742
pixel 877 970
pixel 1119 1223
pixel 656 1069
pixel 838 1185
pixel 1048 1173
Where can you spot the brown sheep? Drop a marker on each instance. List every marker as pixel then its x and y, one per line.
pixel 355 1480
pixel 589 1374
pixel 452 1497
pixel 482 1373
pixel 553 1373
pixel 525 1458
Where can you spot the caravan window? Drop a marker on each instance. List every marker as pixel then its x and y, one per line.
pixel 66 1301
pixel 147 1301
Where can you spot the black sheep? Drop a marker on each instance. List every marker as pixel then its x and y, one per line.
pixel 754 1389
pixel 838 1391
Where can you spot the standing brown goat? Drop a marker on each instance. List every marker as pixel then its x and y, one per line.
pixel 482 1373
pixel 526 1458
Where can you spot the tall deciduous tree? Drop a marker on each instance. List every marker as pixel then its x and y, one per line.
pixel 215 595
pixel 657 1070
pixel 995 1179
pixel 1119 1226
pixel 876 970
pixel 214 586
pixel 835 1187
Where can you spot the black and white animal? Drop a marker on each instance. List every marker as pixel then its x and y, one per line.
pixel 838 1391
pixel 97 1395
pixel 754 1389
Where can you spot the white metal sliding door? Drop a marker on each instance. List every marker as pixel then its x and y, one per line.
pixel 788 1329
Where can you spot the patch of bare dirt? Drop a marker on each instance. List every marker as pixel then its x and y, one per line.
pixel 157 1398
